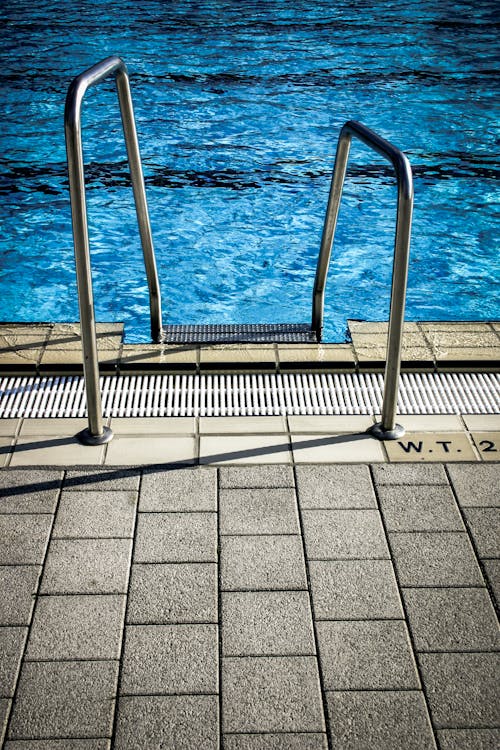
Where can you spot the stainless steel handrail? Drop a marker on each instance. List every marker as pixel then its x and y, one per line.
pixel 111 66
pixel 387 429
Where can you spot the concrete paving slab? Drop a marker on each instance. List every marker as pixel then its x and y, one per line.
pixel 5 704
pixel 335 486
pixel 245 449
pixel 241 425
pixel 482 422
pixel 262 562
pixel 431 447
pixel 100 479
pixel 452 619
pixel 6 450
pixel 484 525
pixel 270 623
pixel 271 694
pixel 476 486
pixel 47 450
pixel 409 474
pixel 170 659
pixel 18 584
pixel 176 537
pixel 285 741
pixel 163 449
pixel 469 739
pixel 179 490
pixel 87 566
pixel 25 491
pixel 424 508
pixel 258 511
pixel 11 650
pixel 462 689
pixel 24 538
pixel 344 534
pixel 366 655
pixel 173 593
pixel 379 720
pixel 339 448
pixel 9 427
pixel 64 699
pixel 77 627
pixel 170 722
pixel 66 744
pixel 245 477
pixel 435 559
pixel 94 514
pixel 354 590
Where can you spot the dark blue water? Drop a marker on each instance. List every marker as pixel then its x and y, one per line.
pixel 238 108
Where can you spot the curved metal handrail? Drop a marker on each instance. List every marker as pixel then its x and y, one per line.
pixel 111 66
pixel 387 429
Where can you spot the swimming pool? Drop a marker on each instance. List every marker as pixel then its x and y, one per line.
pixel 238 108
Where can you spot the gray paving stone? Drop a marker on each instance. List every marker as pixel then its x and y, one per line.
pixel 379 720
pixel 65 699
pixel 469 739
pixel 267 623
pixel 452 619
pixel 170 659
pixel 11 650
pixel 435 559
pixel 176 537
pixel 87 566
pixel 262 562
pixel 484 525
pixel 101 479
pixel 412 473
pixel 492 568
pixel 4 715
pixel 286 741
pixel 179 490
pixel 96 514
pixel 32 491
pixel 23 538
pixel 335 486
pixel 232 477
pixel 271 694
pixel 354 590
pixel 258 511
pixel 366 655
pixel 343 534
pixel 77 627
pixel 18 584
pixel 476 484
pixel 424 508
pixel 58 745
pixel 168 722
pixel 462 689
pixel 173 593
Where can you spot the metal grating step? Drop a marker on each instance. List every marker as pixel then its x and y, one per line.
pixel 258 333
pixel 241 395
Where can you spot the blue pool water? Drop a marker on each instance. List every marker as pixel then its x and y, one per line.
pixel 238 107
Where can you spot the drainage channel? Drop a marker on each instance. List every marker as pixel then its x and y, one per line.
pixel 246 395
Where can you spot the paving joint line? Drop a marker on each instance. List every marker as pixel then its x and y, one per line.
pixel 324 702
pixel 219 606
pixel 423 689
pixel 35 595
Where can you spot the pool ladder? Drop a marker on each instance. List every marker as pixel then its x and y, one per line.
pixel 97 433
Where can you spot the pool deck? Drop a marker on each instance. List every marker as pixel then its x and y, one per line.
pixel 255 583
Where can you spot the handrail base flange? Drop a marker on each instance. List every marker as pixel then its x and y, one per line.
pixel 381 433
pixel 86 438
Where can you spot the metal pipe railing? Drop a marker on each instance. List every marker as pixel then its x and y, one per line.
pixel 111 66
pixel 387 429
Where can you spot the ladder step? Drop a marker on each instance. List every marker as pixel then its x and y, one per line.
pixel 258 333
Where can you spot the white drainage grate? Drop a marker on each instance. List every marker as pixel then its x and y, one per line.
pixel 259 394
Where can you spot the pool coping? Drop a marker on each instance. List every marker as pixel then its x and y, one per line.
pixel 428 346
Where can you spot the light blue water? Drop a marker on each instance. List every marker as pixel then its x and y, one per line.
pixel 238 108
